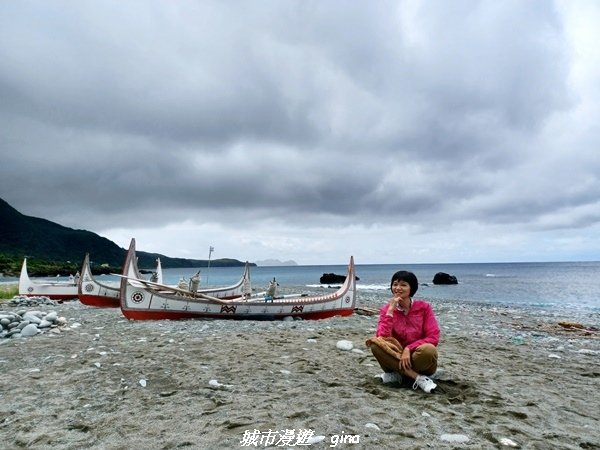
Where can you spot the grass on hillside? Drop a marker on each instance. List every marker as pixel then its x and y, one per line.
pixel 9 290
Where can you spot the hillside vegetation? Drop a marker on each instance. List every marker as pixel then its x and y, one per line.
pixel 53 249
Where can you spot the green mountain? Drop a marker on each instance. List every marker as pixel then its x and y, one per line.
pixel 22 235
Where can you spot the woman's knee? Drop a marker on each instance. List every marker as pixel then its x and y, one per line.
pixel 385 360
pixel 424 359
pixel 427 350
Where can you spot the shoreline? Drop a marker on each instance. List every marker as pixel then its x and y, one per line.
pixel 110 383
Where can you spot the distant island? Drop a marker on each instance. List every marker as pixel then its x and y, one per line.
pixel 275 262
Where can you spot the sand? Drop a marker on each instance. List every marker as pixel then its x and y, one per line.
pixel 511 379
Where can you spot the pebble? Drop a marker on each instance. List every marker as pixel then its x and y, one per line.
pixel 372 425
pixel 587 351
pixel 455 438
pixel 28 323
pixel 29 330
pixel 345 345
pixel 508 442
pixel 216 384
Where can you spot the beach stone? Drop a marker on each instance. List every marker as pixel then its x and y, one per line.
pixel 44 324
pixel 215 384
pixel 29 323
pixel 23 324
pixel 344 345
pixel 30 330
pixel 587 351
pixel 455 438
pixel 508 442
pixel 52 316
pixel 32 316
pixel 314 439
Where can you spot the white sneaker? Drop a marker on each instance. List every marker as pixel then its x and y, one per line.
pixel 424 383
pixel 391 377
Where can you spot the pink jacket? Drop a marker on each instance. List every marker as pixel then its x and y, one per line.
pixel 418 327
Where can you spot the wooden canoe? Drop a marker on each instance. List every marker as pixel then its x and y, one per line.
pixel 92 292
pixel 56 290
pixel 142 300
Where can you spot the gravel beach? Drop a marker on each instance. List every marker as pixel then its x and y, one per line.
pixel 510 378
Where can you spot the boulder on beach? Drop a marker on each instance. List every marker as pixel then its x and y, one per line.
pixel 444 278
pixel 332 278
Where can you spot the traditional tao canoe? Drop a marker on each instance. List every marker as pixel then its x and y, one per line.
pixel 56 290
pixel 92 292
pixel 144 300
pixel 131 276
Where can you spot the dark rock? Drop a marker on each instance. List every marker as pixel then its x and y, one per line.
pixel 332 278
pixel 444 278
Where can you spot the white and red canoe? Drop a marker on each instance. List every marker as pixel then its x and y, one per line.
pixel 102 294
pixel 144 300
pixel 56 290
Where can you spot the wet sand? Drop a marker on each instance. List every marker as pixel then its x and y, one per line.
pixel 510 378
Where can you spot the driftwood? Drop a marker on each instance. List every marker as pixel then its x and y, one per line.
pixel 571 325
pixel 366 311
pixel 562 328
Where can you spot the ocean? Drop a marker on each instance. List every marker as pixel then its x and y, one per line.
pixel 550 285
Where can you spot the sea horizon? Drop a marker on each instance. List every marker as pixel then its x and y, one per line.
pixel 563 285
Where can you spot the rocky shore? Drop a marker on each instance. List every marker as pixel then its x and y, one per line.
pixel 510 378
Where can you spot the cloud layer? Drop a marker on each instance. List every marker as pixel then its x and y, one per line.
pixel 412 131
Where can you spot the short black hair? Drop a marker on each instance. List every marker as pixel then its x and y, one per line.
pixel 409 277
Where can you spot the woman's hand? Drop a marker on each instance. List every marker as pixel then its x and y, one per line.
pixel 405 362
pixel 392 306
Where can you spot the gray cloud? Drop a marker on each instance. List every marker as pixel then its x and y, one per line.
pixel 299 116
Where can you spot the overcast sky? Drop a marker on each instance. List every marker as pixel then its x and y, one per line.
pixel 397 132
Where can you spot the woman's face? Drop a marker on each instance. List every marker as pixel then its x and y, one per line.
pixel 401 289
